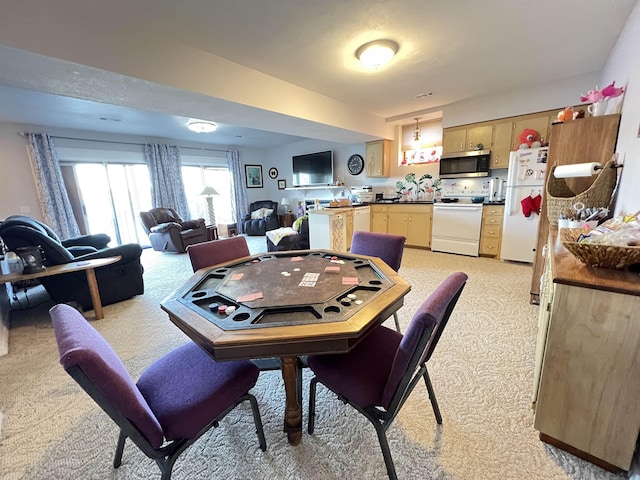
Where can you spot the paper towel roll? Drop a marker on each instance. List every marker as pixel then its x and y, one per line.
pixel 577 170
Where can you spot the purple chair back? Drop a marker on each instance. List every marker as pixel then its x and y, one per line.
pixel 214 252
pixel 425 329
pixel 82 347
pixel 387 246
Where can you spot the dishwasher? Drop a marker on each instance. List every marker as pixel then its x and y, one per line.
pixel 456 228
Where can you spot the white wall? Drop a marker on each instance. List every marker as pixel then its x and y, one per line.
pixel 623 67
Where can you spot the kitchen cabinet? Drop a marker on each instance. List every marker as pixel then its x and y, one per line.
pixel 465 139
pixel 539 123
pixel 328 230
pixel 501 144
pixel 583 140
pixel 491 232
pixel 589 371
pixel 378 158
pixel 379 218
pixel 480 134
pixel 413 221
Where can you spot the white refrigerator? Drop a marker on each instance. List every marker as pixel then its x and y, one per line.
pixel 523 197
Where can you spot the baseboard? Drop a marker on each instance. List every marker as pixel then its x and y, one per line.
pixel 5 316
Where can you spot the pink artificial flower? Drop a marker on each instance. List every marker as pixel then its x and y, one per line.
pixel 611 91
pixel 592 96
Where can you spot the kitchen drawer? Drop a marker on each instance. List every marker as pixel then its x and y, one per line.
pixel 379 208
pixel 492 231
pixel 492 221
pixel 490 245
pixel 493 211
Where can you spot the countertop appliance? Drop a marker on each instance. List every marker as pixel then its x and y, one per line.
pixel 456 227
pixel 475 163
pixel 524 190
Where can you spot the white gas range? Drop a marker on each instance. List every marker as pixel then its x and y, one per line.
pixel 456 226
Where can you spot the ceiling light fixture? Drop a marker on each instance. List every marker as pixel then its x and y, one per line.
pixel 200 126
pixel 416 135
pixel 377 53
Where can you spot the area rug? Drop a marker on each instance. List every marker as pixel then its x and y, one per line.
pixel 482 372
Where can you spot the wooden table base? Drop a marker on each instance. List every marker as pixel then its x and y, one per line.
pixel 293 410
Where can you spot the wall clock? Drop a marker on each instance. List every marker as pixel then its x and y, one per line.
pixel 355 164
pixel 273 172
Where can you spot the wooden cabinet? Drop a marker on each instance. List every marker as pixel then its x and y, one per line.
pixel 413 221
pixel 501 145
pixel 479 135
pixel 589 382
pixel 539 123
pixel 590 139
pixel 491 232
pixel 379 218
pixel 378 158
pixel 465 139
pixel 454 140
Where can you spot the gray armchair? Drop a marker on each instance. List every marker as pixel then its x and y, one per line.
pixel 169 233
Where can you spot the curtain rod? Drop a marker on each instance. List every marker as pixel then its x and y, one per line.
pixel 127 143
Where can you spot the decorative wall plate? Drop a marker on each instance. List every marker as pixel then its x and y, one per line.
pixel 273 172
pixel 355 164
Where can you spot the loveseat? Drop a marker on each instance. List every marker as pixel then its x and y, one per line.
pixel 169 233
pixel 262 216
pixel 116 282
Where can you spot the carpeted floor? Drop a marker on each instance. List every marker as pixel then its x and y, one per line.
pixel 482 372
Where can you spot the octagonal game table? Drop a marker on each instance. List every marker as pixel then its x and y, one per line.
pixel 286 305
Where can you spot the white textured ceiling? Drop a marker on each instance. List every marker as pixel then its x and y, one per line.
pixel 456 49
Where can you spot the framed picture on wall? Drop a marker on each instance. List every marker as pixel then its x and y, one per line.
pixel 254 176
pixel 282 184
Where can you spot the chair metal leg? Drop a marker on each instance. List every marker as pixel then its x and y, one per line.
pixel 117 460
pixel 257 419
pixel 312 405
pixel 432 396
pixel 395 318
pixel 386 451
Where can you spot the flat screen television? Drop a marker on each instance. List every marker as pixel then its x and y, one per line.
pixel 313 169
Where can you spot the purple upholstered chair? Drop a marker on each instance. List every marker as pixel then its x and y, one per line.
pixel 379 374
pixel 387 246
pixel 214 252
pixel 177 398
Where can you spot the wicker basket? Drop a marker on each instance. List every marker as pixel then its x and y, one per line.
pixel 561 199
pixel 605 256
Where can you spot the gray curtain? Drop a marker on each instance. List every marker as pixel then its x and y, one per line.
pixel 239 203
pixel 167 187
pixel 52 193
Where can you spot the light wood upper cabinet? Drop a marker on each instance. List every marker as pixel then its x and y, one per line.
pixel 538 123
pixel 378 158
pixel 501 146
pixel 479 135
pixel 454 140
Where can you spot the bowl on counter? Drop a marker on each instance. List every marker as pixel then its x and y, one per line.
pixel 477 199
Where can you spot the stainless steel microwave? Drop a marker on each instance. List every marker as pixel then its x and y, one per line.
pixel 475 163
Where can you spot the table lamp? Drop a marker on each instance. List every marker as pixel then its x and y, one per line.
pixel 285 203
pixel 209 192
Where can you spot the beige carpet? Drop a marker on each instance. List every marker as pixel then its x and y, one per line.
pixel 482 372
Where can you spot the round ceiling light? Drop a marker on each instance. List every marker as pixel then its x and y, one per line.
pixel 377 53
pixel 200 126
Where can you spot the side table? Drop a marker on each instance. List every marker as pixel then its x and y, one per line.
pixel 227 229
pixel 212 232
pixel 287 219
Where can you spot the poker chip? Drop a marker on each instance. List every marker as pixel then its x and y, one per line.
pixel 352 296
pixel 358 302
pixel 213 306
pixel 222 308
pixel 230 310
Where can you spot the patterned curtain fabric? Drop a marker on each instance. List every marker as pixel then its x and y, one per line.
pixel 52 192
pixel 238 190
pixel 167 187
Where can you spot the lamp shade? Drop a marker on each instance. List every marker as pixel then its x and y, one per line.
pixel 285 201
pixel 209 191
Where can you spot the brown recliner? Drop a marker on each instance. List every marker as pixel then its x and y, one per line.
pixel 169 233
